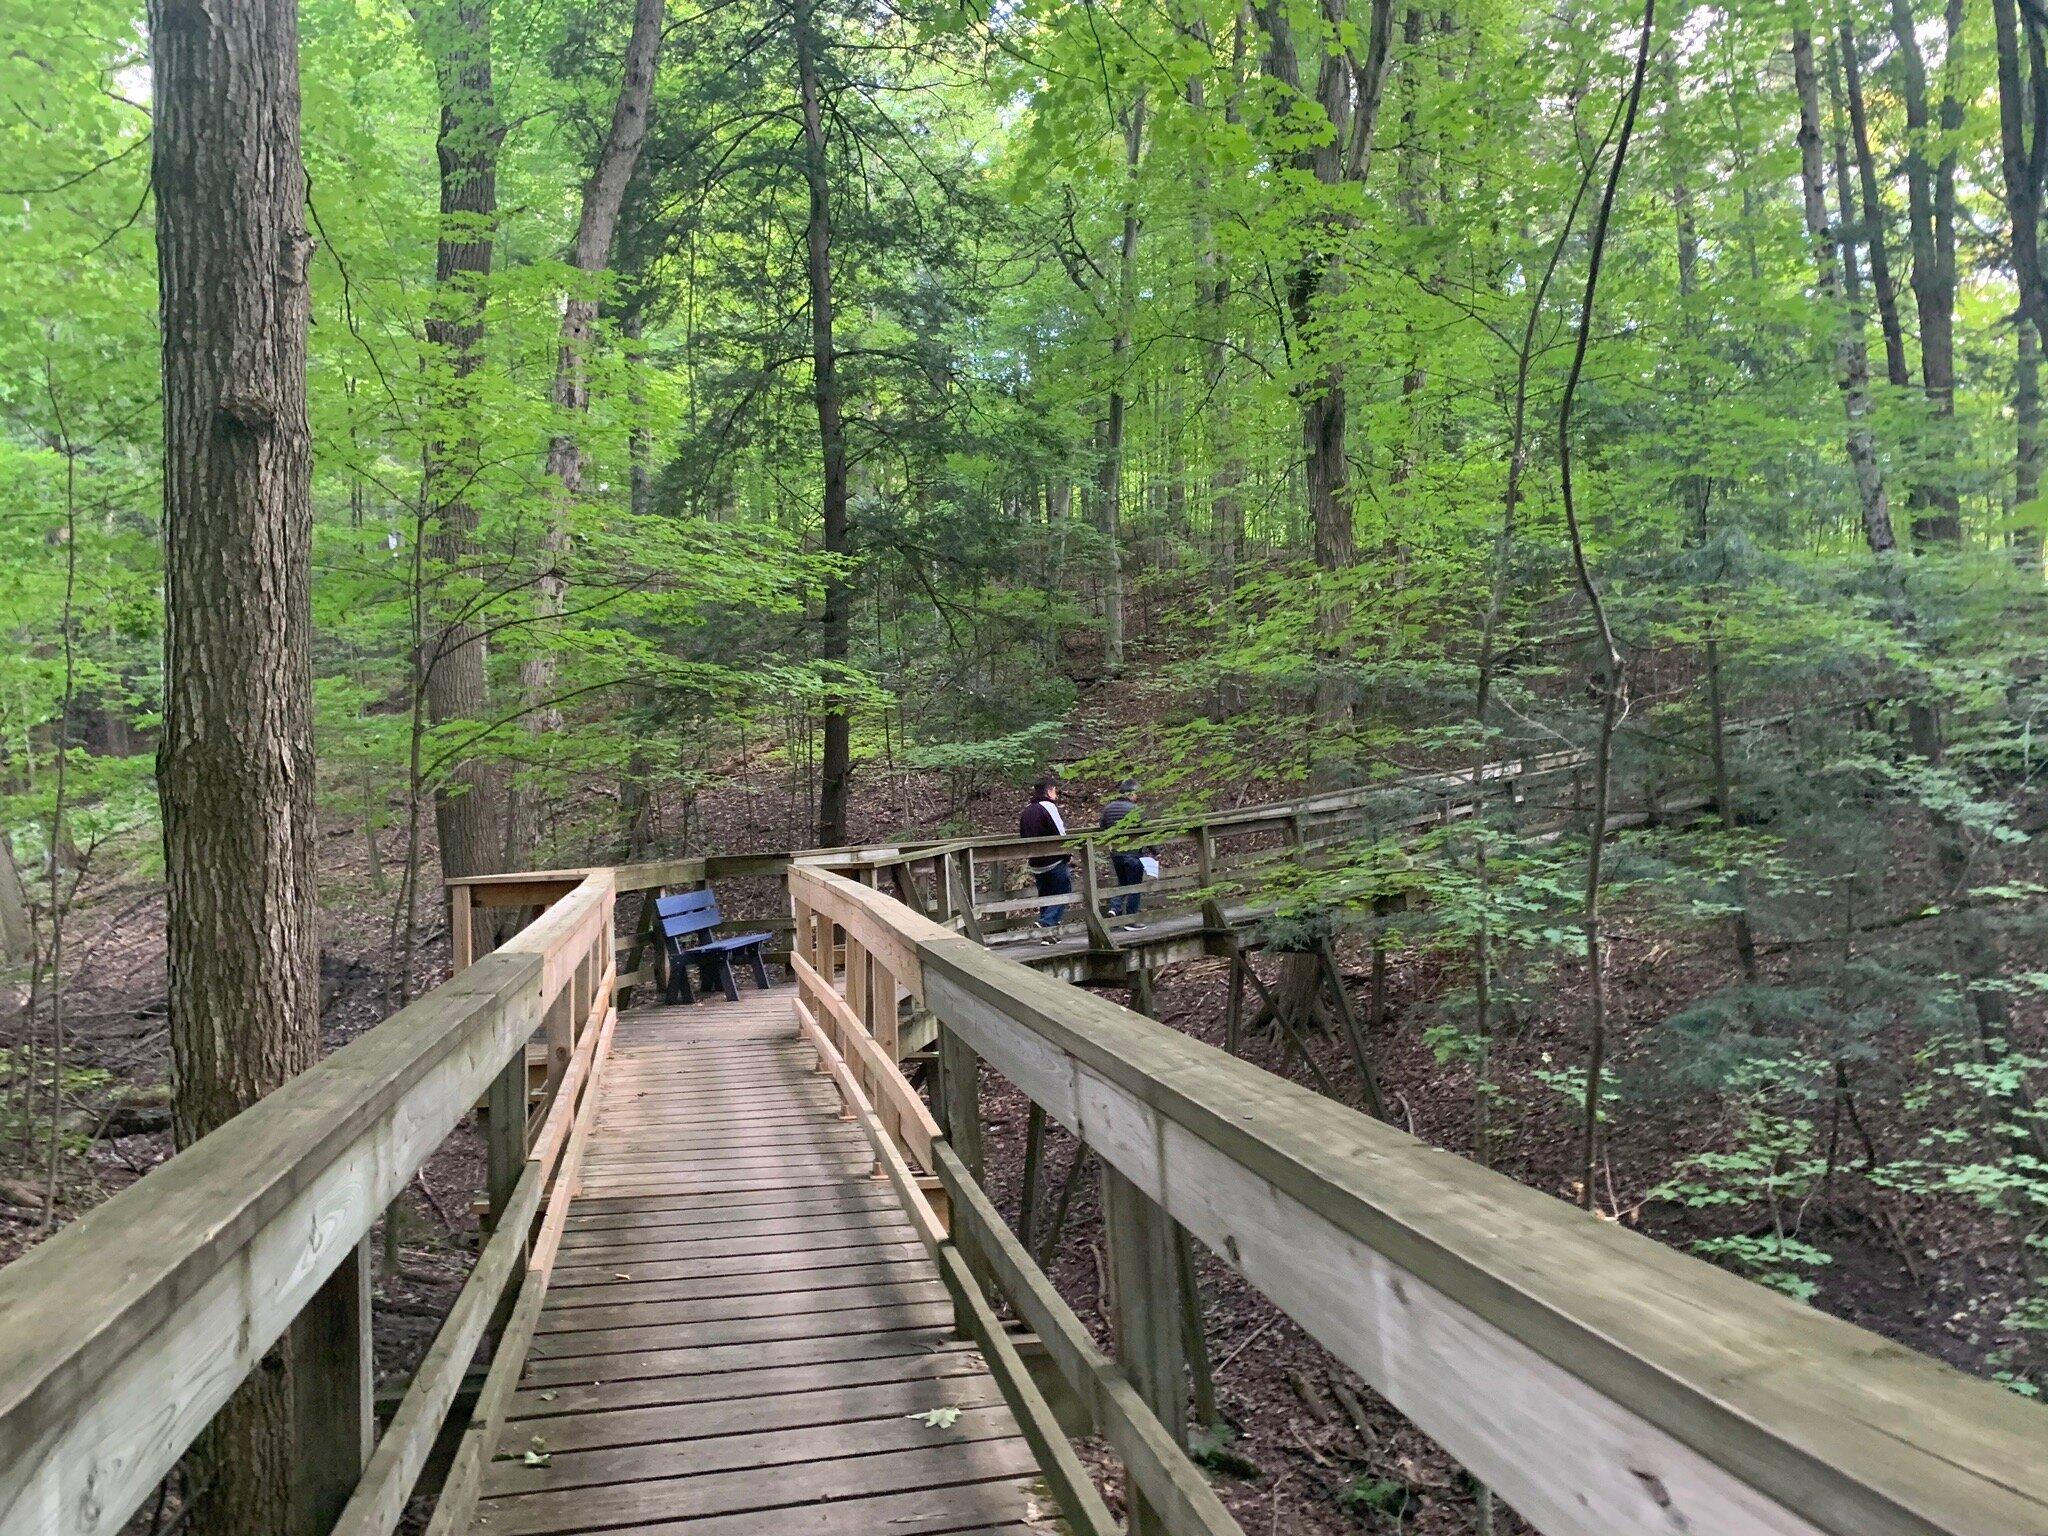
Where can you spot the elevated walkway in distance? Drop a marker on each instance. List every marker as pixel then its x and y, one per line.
pixel 742 1329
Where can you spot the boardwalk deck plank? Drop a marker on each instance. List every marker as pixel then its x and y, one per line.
pixel 741 1329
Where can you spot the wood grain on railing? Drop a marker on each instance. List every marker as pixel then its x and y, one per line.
pixel 1601 1383
pixel 121 1335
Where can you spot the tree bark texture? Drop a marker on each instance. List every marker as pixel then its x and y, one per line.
pixel 235 767
pixel 468 806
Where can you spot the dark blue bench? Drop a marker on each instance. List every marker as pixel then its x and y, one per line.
pixel 688 923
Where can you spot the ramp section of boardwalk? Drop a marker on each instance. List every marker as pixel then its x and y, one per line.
pixel 742 1328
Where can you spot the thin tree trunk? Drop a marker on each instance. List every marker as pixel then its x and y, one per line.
pixel 1110 473
pixel 1614 686
pixel 1852 356
pixel 235 768
pixel 468 803
pixel 836 642
pixel 1698 490
pixel 1931 213
pixel 1881 281
pixel 1212 292
pixel 604 194
pixel 2026 469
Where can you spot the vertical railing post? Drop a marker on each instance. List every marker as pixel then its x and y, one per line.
pixel 560 1027
pixel 956 1105
pixel 1145 1275
pixel 505 1135
pixel 1091 901
pixel 1205 871
pixel 643 935
pixel 970 919
pixel 332 1389
pixel 461 928
pixel 857 1000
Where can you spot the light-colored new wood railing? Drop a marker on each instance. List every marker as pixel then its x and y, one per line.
pixel 124 1333
pixel 1602 1384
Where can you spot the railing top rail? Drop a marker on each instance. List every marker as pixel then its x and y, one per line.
pixel 1602 1382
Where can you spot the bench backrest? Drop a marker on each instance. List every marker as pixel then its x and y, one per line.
pixel 692 912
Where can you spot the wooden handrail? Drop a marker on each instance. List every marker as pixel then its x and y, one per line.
pixel 124 1333
pixel 1601 1383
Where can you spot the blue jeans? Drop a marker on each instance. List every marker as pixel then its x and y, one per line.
pixel 1130 871
pixel 1057 881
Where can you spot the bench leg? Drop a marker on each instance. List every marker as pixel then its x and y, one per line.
pixel 679 983
pixel 732 986
pixel 760 968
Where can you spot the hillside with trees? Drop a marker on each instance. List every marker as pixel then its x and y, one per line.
pixel 668 429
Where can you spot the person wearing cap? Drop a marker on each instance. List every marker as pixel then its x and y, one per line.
pixel 1128 864
pixel 1053 873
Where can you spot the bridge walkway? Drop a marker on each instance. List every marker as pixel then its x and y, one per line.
pixel 741 1328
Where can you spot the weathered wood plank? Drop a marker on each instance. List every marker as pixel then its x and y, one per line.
pixel 694 1374
pixel 739 1278
pixel 1007 1507
pixel 785 1488
pixel 563 1329
pixel 822 1393
pixel 533 1492
pixel 638 1351
pixel 578 1266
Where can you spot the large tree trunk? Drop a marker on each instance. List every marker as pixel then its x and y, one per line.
pixel 1931 207
pixel 603 196
pixel 235 767
pixel 457 34
pixel 836 641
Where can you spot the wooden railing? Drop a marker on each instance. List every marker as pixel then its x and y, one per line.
pixel 1602 1384
pixel 124 1333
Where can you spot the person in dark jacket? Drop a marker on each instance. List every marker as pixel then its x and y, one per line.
pixel 1052 872
pixel 1127 863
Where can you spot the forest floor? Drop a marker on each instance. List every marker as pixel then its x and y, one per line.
pixel 1308 1448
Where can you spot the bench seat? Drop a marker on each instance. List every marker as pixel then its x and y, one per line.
pixel 688 924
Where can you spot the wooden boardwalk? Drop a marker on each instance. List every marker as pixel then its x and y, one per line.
pixel 742 1335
